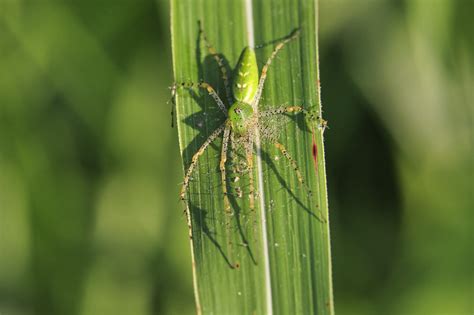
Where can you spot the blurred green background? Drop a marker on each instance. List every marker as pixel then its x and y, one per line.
pixel 90 221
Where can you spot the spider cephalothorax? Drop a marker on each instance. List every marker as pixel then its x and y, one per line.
pixel 241 117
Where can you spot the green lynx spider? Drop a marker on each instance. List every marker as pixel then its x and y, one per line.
pixel 242 117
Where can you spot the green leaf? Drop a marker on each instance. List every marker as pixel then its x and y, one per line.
pixel 274 259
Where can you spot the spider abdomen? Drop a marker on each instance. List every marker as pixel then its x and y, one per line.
pixel 245 83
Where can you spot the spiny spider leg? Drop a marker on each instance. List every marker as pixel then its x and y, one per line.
pixel 220 63
pixel 237 172
pixel 263 74
pixel 284 110
pixel 310 114
pixel 293 163
pixel 249 156
pixel 225 142
pixel 195 158
pixel 202 85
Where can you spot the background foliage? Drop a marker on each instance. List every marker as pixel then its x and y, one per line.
pixel 89 167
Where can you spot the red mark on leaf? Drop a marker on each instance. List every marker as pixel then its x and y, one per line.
pixel 315 152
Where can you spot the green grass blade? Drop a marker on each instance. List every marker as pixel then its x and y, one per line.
pixel 244 264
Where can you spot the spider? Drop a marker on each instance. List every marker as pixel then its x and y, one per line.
pixel 243 120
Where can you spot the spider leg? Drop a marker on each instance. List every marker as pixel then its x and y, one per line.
pixel 309 114
pixel 225 143
pixel 201 85
pixel 263 75
pixel 283 110
pixel 195 158
pixel 220 63
pixel 249 157
pixel 293 163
